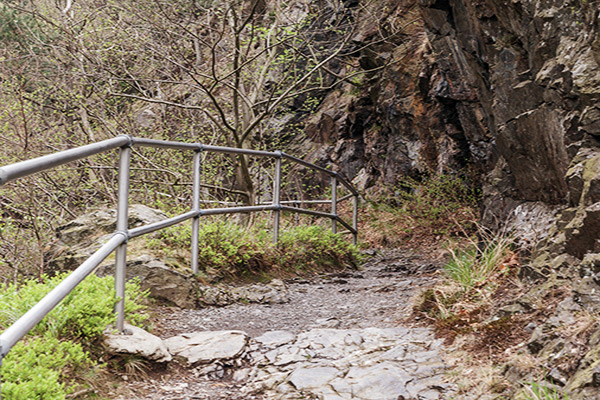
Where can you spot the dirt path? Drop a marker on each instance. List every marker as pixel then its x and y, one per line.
pixel 377 296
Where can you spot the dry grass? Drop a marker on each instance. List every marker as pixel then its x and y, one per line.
pixel 473 376
pixel 382 226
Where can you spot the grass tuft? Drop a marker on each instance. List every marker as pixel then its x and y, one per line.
pixel 468 280
pixel 538 391
pixel 471 267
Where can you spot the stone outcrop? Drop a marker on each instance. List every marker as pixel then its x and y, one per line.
pixel 274 292
pixel 79 238
pixel 531 69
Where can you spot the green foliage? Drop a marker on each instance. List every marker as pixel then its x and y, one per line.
pixel 226 249
pixel 16 27
pixel 226 245
pixel 34 368
pixel 313 247
pixel 83 314
pixel 43 365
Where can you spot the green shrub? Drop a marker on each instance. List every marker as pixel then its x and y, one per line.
pixel 45 363
pixel 34 368
pixel 229 250
pixel 84 313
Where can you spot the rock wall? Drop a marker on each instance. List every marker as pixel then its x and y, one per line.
pixel 534 70
pixel 507 90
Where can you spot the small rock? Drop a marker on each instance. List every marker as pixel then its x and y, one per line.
pixel 530 327
pixel 241 375
pixel 556 377
pixel 327 323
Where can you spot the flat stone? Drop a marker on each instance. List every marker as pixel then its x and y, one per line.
pixel 382 381
pixel 311 378
pixel 321 338
pixel 206 347
pixel 365 364
pixel 285 359
pixel 275 338
pixel 139 342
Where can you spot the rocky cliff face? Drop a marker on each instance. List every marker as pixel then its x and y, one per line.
pixel 400 118
pixel 534 70
pixel 509 90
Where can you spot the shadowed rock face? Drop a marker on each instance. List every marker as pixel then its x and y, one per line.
pixel 508 89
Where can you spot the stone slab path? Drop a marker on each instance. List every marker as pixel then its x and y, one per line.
pixel 340 336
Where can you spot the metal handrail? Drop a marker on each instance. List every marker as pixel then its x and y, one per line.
pixel 118 242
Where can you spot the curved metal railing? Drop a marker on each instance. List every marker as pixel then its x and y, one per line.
pixel 118 242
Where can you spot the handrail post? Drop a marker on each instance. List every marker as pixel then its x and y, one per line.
pixel 355 219
pixel 122 226
pixel 334 203
pixel 276 197
pixel 196 173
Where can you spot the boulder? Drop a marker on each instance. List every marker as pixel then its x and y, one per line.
pixel 99 222
pixel 162 282
pixel 136 341
pixel 79 238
